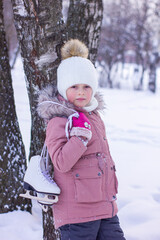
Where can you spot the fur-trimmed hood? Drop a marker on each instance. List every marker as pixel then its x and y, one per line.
pixel 51 104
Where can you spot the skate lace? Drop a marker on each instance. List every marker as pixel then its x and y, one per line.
pixel 48 177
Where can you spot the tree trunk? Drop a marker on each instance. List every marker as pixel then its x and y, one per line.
pixel 152 78
pixel 154 60
pixel 140 85
pixel 142 76
pixel 40 29
pixel 12 152
pixel 10 32
pixel 109 80
pixel 84 22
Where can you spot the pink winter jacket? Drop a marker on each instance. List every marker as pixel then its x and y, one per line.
pixel 85 175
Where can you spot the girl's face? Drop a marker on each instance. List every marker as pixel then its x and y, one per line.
pixel 79 94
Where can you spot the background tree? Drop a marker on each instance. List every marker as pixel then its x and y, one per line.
pixel 154 60
pixel 84 22
pixel 12 153
pixel 140 35
pixel 129 27
pixel 114 37
pixel 154 53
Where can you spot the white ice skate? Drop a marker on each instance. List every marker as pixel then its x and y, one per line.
pixel 39 185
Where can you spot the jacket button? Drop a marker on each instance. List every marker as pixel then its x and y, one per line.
pixel 86 124
pixel 77 175
pixel 99 174
pixel 98 154
pixel 104 138
pixel 90 113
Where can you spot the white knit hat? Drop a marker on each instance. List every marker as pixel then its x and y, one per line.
pixel 75 68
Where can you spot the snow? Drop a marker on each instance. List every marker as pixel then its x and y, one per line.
pixel 21 10
pixel 46 58
pixel 132 122
pixel 20 225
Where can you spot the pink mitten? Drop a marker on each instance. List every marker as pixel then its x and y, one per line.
pixel 81 127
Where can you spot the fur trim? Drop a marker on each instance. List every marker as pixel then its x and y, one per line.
pixel 81 132
pixel 73 48
pixel 49 110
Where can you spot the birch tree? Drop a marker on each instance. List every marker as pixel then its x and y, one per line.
pixel 39 26
pixel 12 153
pixel 114 38
pixel 84 22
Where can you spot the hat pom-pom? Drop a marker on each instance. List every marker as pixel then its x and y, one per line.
pixel 74 48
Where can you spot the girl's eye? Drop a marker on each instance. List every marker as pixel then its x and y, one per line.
pixel 87 86
pixel 73 87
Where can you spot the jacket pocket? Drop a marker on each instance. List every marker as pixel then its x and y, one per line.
pixel 88 185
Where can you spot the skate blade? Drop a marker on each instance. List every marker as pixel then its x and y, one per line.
pixel 47 199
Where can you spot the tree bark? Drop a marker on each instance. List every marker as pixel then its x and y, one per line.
pixel 12 152
pixel 40 32
pixel 10 32
pixel 154 60
pixel 40 29
pixel 152 78
pixel 84 22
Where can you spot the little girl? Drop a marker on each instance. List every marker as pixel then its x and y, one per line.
pixel 77 144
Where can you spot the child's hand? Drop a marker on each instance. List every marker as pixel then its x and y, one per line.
pixel 81 127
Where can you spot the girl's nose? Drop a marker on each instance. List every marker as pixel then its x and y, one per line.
pixel 81 91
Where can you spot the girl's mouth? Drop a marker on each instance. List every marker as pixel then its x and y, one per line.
pixel 80 99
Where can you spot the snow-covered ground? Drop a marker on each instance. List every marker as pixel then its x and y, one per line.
pixel 133 128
